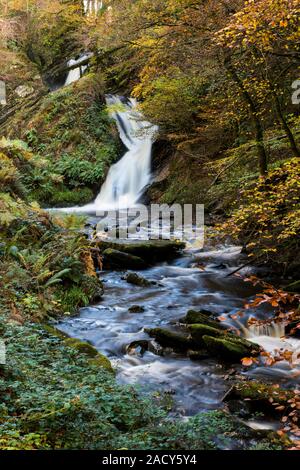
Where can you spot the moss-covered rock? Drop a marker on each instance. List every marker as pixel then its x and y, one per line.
pixel 201 317
pixel 136 309
pixel 150 251
pixel 229 348
pixel 196 316
pixel 135 279
pixel 172 339
pixel 199 330
pixel 81 346
pixel 115 259
pixel 86 348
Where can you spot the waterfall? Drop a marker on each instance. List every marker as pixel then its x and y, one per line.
pixel 76 73
pixel 126 179
pixel 91 7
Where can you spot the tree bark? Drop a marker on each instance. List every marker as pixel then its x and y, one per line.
pixel 290 136
pixel 259 132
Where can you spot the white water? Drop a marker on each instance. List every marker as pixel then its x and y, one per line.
pixel 91 7
pixel 271 337
pixel 76 74
pixel 127 179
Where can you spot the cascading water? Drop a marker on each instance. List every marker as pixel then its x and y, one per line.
pixel 127 179
pixel 91 7
pixel 76 73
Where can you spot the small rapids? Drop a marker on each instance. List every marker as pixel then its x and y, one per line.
pixel 180 286
pixel 196 280
pixel 76 73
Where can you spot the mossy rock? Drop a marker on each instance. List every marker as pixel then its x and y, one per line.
pixel 102 361
pixel 199 330
pixel 135 279
pixel 86 348
pixel 150 251
pixel 93 287
pixel 136 309
pixel 202 317
pixel 228 348
pixel 195 316
pixel 55 331
pixel 115 259
pixel 171 339
pixel 82 346
pixel 258 391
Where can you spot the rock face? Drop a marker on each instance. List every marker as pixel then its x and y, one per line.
pixel 115 259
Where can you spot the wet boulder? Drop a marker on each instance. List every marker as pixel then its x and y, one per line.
pixel 230 348
pixel 151 251
pixel 172 339
pixel 195 316
pixel 222 344
pixel 115 259
pixel 94 357
pixel 138 347
pixel 198 355
pixel 200 317
pixel 135 279
pixel 200 330
pixel 136 309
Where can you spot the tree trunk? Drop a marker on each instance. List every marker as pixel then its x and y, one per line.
pixel 259 132
pixel 286 127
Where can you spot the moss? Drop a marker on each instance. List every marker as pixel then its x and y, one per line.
pixel 102 361
pixel 55 331
pixel 170 338
pixel 115 259
pixel 73 150
pixel 201 317
pixel 134 278
pixel 150 251
pixel 198 331
pixel 254 390
pixel 228 349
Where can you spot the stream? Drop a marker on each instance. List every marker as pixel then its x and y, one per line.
pixel 198 279
pixel 110 327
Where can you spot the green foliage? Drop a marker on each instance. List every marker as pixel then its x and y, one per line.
pixel 56 397
pixel 268 217
pixel 171 100
pixel 44 268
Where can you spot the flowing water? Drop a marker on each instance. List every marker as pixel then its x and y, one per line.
pixel 126 179
pixel 178 286
pixel 76 73
pixel 110 327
